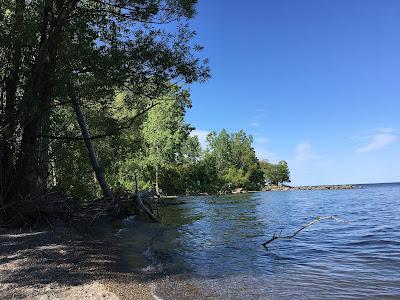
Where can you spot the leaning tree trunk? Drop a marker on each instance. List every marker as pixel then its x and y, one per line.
pixel 90 147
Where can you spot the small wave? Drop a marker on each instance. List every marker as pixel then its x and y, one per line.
pixel 155 266
pixel 149 254
pixel 376 242
pixel 152 269
pixel 129 220
pixel 126 222
pixel 119 232
pixel 153 292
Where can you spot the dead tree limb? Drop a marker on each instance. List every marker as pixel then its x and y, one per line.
pixel 139 201
pixel 288 237
pixel 145 208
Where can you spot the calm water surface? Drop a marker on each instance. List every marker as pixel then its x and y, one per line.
pixel 214 243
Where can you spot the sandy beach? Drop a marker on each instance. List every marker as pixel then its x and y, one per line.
pixel 65 264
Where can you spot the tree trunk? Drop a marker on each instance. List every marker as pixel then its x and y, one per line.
pixel 90 147
pixel 157 187
pixel 7 151
pixel 31 169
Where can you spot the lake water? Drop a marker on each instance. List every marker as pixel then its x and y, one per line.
pixel 213 244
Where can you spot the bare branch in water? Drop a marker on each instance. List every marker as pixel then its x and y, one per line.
pixel 288 237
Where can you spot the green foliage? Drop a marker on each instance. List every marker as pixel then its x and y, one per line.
pixel 164 133
pixel 96 50
pixel 124 60
pixel 160 141
pixel 234 160
pixel 276 173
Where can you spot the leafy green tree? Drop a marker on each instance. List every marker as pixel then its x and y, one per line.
pixel 234 159
pixel 276 173
pixel 59 54
pixel 164 134
pixel 191 150
pixel 184 177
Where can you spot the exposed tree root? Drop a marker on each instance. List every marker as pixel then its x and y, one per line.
pixel 38 211
pixel 52 208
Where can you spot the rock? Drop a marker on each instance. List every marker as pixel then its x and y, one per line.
pixel 238 191
pixel 308 188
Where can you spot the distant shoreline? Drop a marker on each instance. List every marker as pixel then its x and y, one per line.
pixel 310 187
pixel 275 188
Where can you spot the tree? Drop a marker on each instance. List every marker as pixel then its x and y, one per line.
pixel 276 173
pixel 164 134
pixel 98 48
pixel 234 159
pixel 182 177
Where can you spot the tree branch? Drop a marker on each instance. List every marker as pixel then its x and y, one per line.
pixel 100 136
pixel 287 237
pixel 131 11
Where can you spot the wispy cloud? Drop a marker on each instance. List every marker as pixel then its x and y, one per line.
pixel 382 139
pixel 202 136
pixel 261 148
pixel 262 140
pixel 305 152
pixel 258 117
pixel 264 153
pixel 386 129
pixel 255 124
pixel 307 165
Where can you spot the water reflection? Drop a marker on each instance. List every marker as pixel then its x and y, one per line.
pixel 215 242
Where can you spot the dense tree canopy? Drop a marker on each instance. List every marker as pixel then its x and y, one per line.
pixel 235 161
pixel 93 96
pixel 228 163
pixel 62 60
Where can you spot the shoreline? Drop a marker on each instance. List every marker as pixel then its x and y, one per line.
pixel 272 188
pixel 309 187
pixel 66 263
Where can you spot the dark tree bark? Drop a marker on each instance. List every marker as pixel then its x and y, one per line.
pixel 31 170
pixel 7 150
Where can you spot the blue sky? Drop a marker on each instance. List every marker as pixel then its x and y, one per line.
pixel 316 82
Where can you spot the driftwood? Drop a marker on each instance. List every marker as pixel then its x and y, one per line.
pixel 288 237
pixel 138 196
pixel 38 211
pixel 148 212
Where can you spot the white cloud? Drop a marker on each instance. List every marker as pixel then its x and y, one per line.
pixel 255 124
pixel 263 153
pixel 386 129
pixel 358 137
pixel 382 139
pixel 307 167
pixel 202 136
pixel 262 140
pixel 258 118
pixel 304 152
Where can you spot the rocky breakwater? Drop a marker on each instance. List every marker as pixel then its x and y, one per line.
pixel 272 188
